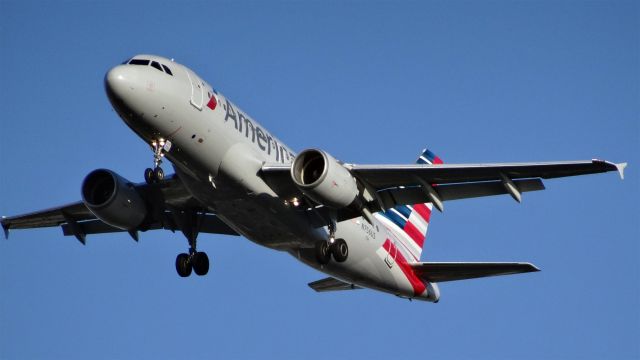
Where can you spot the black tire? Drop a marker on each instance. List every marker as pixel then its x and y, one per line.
pixel 183 265
pixel 340 250
pixel 148 175
pixel 323 253
pixel 200 263
pixel 158 174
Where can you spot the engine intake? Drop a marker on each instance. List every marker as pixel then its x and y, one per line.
pixel 113 199
pixel 322 178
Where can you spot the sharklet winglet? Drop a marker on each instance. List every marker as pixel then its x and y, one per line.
pixel 621 167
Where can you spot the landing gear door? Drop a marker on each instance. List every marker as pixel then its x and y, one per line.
pixel 197 90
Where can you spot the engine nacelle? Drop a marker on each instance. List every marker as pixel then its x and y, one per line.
pixel 113 199
pixel 322 178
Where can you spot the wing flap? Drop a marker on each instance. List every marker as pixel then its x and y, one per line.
pixel 332 284
pixel 412 195
pixel 88 227
pixel 49 217
pixel 452 271
pixel 210 224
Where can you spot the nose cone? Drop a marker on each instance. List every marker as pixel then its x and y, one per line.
pixel 120 81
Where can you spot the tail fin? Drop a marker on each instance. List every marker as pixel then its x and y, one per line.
pixel 410 223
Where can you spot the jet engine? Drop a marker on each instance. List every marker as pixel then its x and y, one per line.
pixel 113 199
pixel 322 178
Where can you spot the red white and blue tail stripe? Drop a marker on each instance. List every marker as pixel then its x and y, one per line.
pixel 427 157
pixel 410 223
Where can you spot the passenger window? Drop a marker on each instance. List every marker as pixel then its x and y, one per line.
pixel 166 69
pixel 156 65
pixel 138 62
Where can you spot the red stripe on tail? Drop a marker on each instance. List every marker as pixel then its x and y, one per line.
pixel 414 233
pixel 423 211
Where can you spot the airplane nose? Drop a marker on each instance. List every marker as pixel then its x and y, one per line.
pixel 119 81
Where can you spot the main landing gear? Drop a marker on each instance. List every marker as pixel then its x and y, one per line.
pixel 196 261
pixel 156 174
pixel 336 247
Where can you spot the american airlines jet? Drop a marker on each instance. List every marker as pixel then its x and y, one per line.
pixel 362 225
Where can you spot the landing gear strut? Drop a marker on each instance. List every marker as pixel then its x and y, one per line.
pixel 195 260
pixel 156 174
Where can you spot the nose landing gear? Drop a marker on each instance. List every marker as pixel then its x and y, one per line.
pixel 156 174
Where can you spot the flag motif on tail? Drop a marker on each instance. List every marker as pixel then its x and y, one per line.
pixel 411 222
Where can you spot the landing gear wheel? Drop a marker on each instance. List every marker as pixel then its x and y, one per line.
pixel 183 265
pixel 200 262
pixel 148 175
pixel 158 174
pixel 323 253
pixel 340 250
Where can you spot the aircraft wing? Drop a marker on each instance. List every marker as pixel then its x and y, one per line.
pixel 451 271
pixel 382 176
pixel 166 201
pixel 418 183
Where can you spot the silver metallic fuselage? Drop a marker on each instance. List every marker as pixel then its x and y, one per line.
pixel 218 151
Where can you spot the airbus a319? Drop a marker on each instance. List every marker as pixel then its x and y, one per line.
pixel 362 225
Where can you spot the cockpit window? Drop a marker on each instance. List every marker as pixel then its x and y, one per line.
pixel 126 61
pixel 139 62
pixel 156 65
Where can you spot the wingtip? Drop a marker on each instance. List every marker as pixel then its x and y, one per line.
pixel 5 228
pixel 533 268
pixel 619 167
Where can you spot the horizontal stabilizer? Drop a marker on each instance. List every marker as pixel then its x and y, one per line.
pixel 451 271
pixel 332 284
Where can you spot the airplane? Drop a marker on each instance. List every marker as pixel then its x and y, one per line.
pixel 362 225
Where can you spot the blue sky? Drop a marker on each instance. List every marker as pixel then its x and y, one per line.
pixel 370 82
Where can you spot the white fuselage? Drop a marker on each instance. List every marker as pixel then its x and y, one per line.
pixel 217 151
